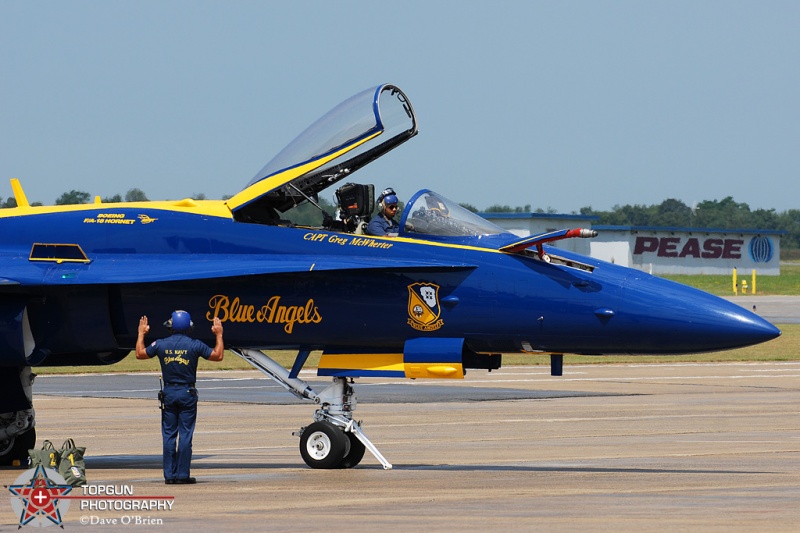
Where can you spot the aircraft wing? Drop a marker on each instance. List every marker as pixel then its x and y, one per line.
pixel 143 268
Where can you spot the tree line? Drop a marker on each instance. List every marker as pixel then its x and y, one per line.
pixel 718 214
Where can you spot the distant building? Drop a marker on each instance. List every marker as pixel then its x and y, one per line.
pixel 658 250
pixel 526 224
pixel 689 250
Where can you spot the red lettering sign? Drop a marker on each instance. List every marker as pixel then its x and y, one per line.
pixel 710 249
pixel 732 249
pixel 645 244
pixel 668 247
pixel 691 248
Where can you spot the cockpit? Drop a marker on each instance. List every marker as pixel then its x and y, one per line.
pixel 427 215
pixel 351 135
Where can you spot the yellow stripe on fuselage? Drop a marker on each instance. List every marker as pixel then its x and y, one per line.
pixel 214 208
pixel 433 243
pixel 390 362
pixel 363 361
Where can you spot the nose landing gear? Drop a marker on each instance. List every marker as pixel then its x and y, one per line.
pixel 334 439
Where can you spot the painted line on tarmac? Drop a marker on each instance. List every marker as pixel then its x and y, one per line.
pixel 565 379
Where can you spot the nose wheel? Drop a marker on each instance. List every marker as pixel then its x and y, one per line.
pixel 355 454
pixel 323 445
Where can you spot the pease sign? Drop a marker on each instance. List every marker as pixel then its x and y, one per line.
pixel 673 246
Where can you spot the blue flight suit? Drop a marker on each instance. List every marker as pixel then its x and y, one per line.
pixel 380 226
pixel 178 355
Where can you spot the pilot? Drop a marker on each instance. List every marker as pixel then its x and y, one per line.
pixel 385 224
pixel 178 355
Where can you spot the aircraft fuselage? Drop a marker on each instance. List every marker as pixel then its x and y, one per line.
pixel 290 286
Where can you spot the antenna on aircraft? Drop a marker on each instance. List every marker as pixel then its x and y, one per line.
pixel 19 194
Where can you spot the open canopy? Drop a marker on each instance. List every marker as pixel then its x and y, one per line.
pixel 352 134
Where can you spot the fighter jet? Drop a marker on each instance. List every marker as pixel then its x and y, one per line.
pixel 447 293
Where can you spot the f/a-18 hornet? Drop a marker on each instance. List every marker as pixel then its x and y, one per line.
pixel 449 292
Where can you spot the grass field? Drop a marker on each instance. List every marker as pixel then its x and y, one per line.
pixel 788 283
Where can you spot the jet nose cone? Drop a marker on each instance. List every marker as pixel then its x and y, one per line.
pixel 746 329
pixel 675 318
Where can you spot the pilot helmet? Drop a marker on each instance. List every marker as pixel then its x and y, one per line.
pixel 180 321
pixel 387 197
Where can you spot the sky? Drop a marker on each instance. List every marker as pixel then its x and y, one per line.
pixel 560 105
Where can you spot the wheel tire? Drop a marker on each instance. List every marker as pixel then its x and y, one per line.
pixel 17 448
pixel 355 454
pixel 323 445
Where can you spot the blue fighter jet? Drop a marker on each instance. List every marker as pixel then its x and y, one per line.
pixel 455 291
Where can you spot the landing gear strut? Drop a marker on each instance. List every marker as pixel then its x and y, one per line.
pixel 334 439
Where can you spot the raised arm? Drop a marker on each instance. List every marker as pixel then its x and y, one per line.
pixel 143 329
pixel 219 347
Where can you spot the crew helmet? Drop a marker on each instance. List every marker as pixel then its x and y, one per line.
pixel 387 197
pixel 180 321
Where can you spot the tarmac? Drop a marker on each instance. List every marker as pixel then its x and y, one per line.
pixel 776 309
pixel 645 447
pixel 711 447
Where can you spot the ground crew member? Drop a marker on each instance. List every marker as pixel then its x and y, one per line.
pixel 178 355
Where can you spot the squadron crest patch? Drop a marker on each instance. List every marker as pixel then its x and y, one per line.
pixel 423 307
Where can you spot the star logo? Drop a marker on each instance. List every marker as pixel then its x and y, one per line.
pixel 38 494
